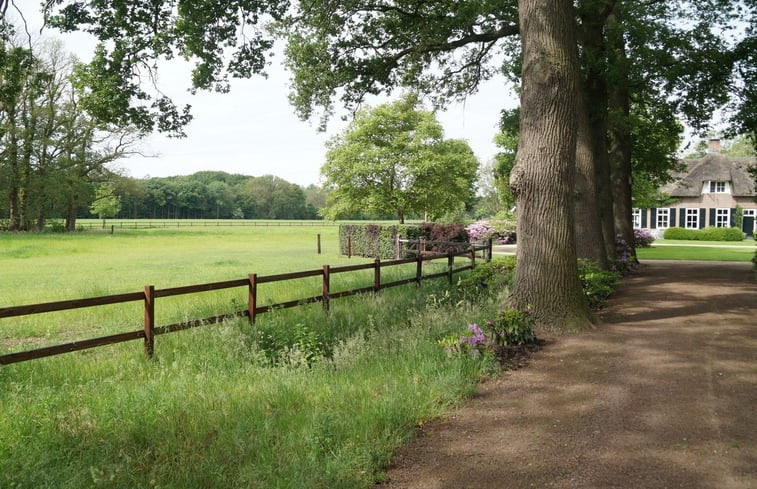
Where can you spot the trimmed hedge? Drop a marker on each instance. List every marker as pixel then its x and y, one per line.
pixel 378 240
pixel 707 234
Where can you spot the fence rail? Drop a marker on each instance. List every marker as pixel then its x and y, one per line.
pixel 150 294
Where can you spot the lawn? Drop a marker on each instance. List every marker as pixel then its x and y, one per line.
pixel 697 250
pixel 301 398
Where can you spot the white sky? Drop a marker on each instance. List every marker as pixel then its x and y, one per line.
pixel 252 130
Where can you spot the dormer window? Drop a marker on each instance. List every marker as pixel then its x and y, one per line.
pixel 716 187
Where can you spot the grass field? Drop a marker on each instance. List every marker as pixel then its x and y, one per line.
pixel 697 250
pixel 299 399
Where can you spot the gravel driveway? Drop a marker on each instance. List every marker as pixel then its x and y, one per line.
pixel 661 394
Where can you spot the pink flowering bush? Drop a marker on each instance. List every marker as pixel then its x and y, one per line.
pixel 480 231
pixel 642 238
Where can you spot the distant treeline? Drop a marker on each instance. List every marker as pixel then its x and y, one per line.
pixel 215 195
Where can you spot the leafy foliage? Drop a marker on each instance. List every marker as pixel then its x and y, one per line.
pixel 711 233
pixel 597 284
pixel 394 160
pixel 489 277
pixel 512 327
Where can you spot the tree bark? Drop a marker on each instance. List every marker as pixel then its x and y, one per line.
pixel 546 277
pixel 594 16
pixel 621 142
pixel 589 238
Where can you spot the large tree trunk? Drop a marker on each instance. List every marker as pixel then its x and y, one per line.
pixel 593 16
pixel 621 143
pixel 590 241
pixel 546 277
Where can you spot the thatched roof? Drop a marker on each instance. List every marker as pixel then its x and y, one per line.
pixel 713 167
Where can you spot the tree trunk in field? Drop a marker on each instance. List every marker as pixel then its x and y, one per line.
pixel 590 241
pixel 621 143
pixel 546 276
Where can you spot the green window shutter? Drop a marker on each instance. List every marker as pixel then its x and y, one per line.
pixel 644 218
pixel 733 217
pixel 702 218
pixel 712 217
pixel 653 218
pixel 682 217
pixel 671 218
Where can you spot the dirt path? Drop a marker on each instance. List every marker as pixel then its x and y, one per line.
pixel 662 394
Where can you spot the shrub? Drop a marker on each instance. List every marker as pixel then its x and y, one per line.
pixel 597 284
pixel 446 233
pixel 642 238
pixel 720 234
pixel 480 231
pixel 489 276
pixel 625 259
pixel 512 327
pixel 374 240
pixel 707 234
pixel 680 233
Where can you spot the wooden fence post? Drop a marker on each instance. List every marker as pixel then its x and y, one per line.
pixel 252 300
pixel 376 277
pixel 397 247
pixel 326 270
pixel 473 257
pixel 419 271
pixel 149 320
pixel 450 265
pixel 319 243
pixel 489 251
pixel 349 246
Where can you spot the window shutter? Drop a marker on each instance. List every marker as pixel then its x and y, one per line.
pixel 682 218
pixel 653 218
pixel 733 217
pixel 643 218
pixel 702 218
pixel 712 217
pixel 671 218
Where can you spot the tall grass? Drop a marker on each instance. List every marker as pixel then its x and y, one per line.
pixel 299 399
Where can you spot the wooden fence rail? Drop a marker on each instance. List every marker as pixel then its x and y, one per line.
pixel 252 282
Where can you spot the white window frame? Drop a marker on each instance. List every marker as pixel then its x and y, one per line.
pixel 663 223
pixel 692 218
pixel 636 218
pixel 750 213
pixel 716 187
pixel 722 218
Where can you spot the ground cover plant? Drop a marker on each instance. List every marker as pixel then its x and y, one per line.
pixel 299 399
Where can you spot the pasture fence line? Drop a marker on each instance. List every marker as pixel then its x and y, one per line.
pixel 203 223
pixel 149 295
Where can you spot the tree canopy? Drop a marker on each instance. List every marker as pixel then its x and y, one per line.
pixel 393 159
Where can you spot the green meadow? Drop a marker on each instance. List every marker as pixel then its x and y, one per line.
pixel 698 250
pixel 301 398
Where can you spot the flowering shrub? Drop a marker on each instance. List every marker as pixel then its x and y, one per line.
pixel 480 230
pixel 512 327
pixel 472 342
pixel 625 260
pixel 500 231
pixel 642 238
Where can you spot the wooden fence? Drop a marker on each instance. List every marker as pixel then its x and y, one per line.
pixel 252 282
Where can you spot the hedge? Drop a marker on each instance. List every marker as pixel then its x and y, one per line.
pixel 378 240
pixel 707 234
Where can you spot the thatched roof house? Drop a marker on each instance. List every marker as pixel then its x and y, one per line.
pixel 707 193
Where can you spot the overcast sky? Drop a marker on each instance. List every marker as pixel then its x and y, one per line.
pixel 253 130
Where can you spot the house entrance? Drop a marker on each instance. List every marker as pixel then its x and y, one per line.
pixel 748 224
